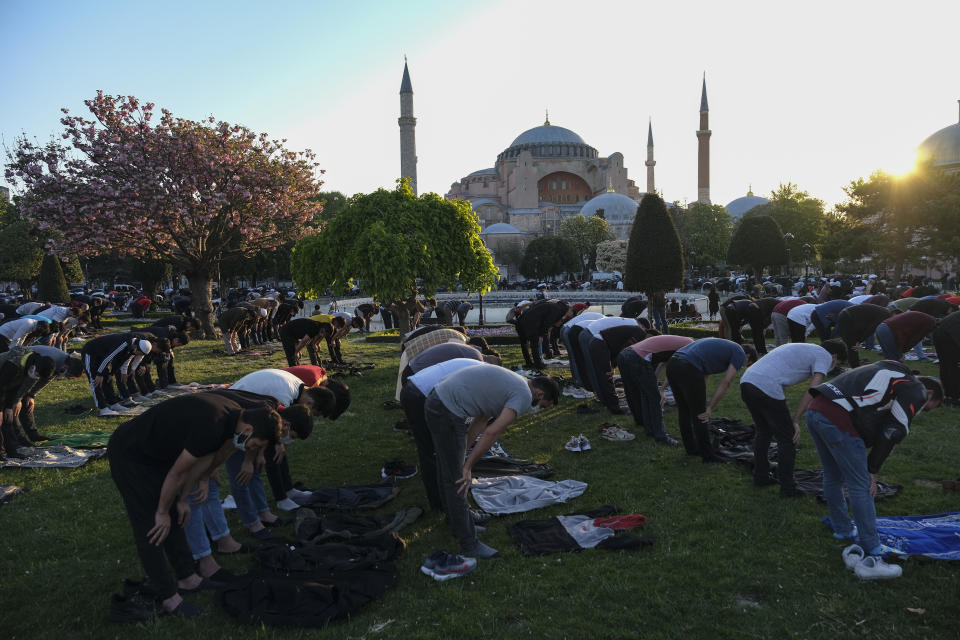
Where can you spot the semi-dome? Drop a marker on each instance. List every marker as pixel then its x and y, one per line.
pixel 484 172
pixel 500 228
pixel 548 141
pixel 616 207
pixel 736 208
pixel 943 147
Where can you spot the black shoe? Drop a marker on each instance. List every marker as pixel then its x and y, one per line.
pixel 184 610
pixel 396 469
pixel 131 609
pixel 281 521
pixel 206 584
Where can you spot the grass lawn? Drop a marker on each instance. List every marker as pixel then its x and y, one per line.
pixel 729 560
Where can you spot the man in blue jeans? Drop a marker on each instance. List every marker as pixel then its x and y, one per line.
pixel 870 407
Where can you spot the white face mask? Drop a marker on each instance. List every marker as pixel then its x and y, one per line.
pixel 240 441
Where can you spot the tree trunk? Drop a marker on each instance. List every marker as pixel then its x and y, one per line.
pixel 201 285
pixel 404 316
pixel 26 288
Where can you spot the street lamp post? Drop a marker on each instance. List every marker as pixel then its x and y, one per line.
pixel 806 260
pixel 787 237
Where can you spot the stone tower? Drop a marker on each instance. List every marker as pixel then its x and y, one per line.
pixel 408 141
pixel 651 163
pixel 703 151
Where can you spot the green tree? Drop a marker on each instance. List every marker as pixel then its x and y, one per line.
pixel 654 254
pixel 704 233
pixel 757 242
pixel 52 286
pixel 585 236
pixel 333 202
pixel 550 255
pixel 390 241
pixel 21 254
pixel 72 270
pixel 795 212
pixel 150 274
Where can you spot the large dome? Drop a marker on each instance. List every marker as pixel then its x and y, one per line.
pixel 943 146
pixel 740 206
pixel 549 141
pixel 616 207
pixel 547 133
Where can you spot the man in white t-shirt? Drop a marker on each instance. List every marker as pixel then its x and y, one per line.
pixel 762 389
pixel 800 321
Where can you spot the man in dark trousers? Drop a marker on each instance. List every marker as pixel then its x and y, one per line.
pixel 365 312
pixel 601 341
pixel 870 407
pixel 166 375
pixel 234 322
pixel 902 331
pixel 633 307
pixel 480 392
pixel 687 373
pixel 946 340
pixel 824 317
pixel 20 371
pixel 99 356
pixel 186 324
pixel 858 323
pixel 534 324
pixel 756 313
pixel 642 368
pixel 303 332
pixel 762 388
pixel 155 460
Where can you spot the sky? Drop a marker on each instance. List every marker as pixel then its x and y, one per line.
pixel 815 93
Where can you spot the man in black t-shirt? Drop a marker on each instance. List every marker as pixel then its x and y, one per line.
pixel 157 457
pixel 303 332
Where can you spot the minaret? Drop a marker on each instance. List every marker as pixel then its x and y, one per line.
pixel 408 141
pixel 651 163
pixel 703 151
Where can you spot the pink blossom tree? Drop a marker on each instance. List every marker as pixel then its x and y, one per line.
pixel 185 191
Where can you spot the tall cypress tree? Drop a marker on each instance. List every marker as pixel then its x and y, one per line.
pixel 654 255
pixel 757 242
pixel 52 286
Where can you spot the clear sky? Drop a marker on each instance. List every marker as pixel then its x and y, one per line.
pixel 817 93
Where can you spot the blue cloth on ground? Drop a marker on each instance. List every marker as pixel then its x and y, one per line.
pixel 934 536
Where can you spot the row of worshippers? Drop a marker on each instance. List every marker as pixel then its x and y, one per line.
pixel 165 464
pixel 41 323
pixel 855 419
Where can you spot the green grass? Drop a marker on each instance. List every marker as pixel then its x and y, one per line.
pixel 729 560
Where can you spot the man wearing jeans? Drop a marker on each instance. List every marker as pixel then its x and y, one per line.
pixel 870 407
pixel 480 392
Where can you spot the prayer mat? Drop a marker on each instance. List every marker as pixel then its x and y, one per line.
pixel 79 440
pixel 353 497
pixel 9 491
pixel 934 536
pixel 55 458
pixel 810 483
pixel 515 494
pixel 576 531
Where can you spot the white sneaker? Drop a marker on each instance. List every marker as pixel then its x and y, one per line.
pixel 287 505
pixel 229 503
pixel 296 493
pixel 119 408
pixel 573 444
pixel 615 433
pixel 107 411
pixel 584 443
pixel 852 556
pixel 873 568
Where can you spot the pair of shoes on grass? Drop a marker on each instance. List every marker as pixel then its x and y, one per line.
pixel 577 444
pixel 442 565
pixel 614 433
pixel 869 567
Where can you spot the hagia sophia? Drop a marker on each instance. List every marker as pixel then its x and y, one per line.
pixel 549 173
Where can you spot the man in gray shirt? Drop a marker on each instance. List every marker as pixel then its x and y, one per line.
pixel 479 392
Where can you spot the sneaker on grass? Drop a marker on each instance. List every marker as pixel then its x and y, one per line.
pixel 584 443
pixel 397 470
pixel 852 556
pixel 615 433
pixel 442 566
pixel 873 568
pixel 107 411
pixel 573 444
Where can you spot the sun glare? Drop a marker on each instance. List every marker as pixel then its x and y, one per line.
pixel 901 167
